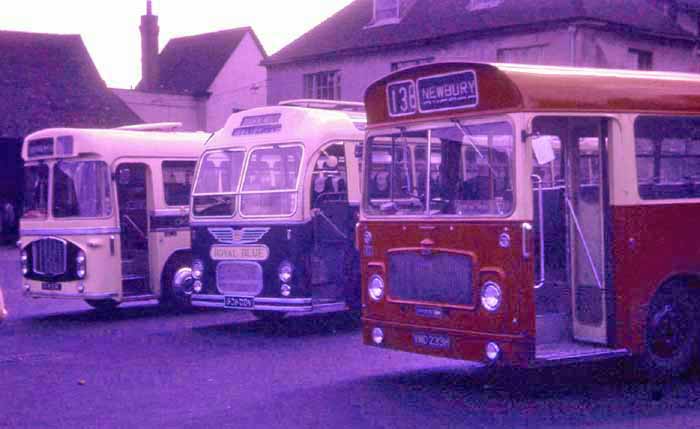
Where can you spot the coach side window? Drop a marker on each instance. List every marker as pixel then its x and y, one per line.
pixel 329 179
pixel 177 182
pixel 668 157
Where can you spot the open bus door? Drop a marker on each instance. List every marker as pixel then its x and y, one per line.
pixel 573 295
pixel 132 194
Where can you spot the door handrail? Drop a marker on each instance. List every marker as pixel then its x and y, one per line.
pixel 583 241
pixel 540 224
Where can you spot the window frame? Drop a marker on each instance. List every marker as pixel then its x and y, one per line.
pixel 466 122
pixel 332 86
pixel 164 169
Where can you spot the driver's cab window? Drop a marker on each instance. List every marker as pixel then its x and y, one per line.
pixel 329 181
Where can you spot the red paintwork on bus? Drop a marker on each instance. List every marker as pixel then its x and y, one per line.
pixel 512 325
pixel 510 88
pixel 651 243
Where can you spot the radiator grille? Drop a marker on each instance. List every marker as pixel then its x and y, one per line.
pixel 444 278
pixel 49 257
pixel 239 278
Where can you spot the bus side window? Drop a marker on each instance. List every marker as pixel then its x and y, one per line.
pixel 329 179
pixel 177 182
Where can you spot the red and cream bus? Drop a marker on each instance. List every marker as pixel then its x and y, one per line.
pixel 105 216
pixel 522 215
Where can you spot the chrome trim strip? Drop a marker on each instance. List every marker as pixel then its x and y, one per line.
pixel 211 298
pixel 169 212
pixel 138 297
pixel 171 228
pixel 284 301
pixel 69 231
pixel 304 309
pixel 72 295
pixel 243 222
pixel 208 304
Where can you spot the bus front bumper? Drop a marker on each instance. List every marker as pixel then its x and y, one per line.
pixel 81 296
pixel 513 350
pixel 287 305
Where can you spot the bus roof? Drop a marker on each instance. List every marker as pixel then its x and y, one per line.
pixel 504 88
pixel 288 124
pixel 110 144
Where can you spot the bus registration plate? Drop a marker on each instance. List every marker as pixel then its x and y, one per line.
pixel 51 286
pixel 238 302
pixel 433 341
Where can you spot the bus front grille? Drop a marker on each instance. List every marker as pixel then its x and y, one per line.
pixel 49 257
pixel 444 278
pixel 239 278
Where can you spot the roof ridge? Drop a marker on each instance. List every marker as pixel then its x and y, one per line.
pixel 230 30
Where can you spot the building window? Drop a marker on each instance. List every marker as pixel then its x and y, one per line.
pixel 410 63
pixel 640 60
pixel 324 85
pixel 385 10
pixel 521 55
pixel 483 4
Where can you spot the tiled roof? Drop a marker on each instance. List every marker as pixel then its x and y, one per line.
pixel 49 80
pixel 189 65
pixel 430 20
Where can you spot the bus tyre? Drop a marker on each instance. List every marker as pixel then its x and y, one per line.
pixel 102 305
pixel 175 283
pixel 269 316
pixel 671 337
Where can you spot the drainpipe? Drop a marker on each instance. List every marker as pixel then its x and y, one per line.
pixel 573 32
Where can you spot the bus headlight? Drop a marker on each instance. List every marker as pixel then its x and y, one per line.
pixel 197 269
pixel 375 288
pixel 491 296
pixel 377 335
pixel 24 262
pixel 80 264
pixel 285 271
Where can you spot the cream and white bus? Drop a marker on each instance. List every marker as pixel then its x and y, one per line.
pixel 274 209
pixel 105 216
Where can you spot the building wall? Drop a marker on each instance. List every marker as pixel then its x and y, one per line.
pixel 592 47
pixel 612 50
pixel 155 107
pixel 241 84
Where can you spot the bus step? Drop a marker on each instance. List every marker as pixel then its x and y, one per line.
pixel 133 277
pixel 570 352
pixel 551 328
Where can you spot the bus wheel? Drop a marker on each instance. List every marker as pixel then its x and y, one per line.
pixel 102 305
pixel 269 316
pixel 176 285
pixel 671 332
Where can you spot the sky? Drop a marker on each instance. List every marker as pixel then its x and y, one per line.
pixel 110 28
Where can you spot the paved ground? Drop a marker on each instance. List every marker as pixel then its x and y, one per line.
pixel 63 365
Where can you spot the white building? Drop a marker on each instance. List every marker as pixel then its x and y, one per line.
pixel 197 80
pixel 340 57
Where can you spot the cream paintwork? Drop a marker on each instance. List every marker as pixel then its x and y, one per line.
pixel 103 268
pixel 115 147
pixel 311 128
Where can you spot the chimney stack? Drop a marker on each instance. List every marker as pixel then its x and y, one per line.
pixel 150 70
